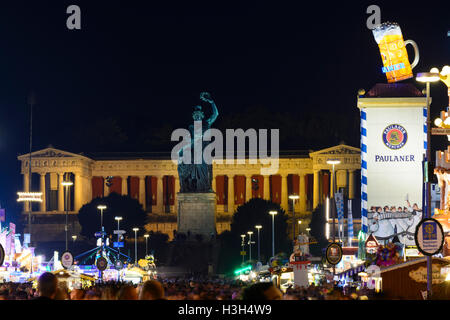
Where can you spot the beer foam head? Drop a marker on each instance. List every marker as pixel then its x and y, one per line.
pixel 384 29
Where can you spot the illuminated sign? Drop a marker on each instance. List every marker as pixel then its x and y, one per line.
pixel 29 196
pixel 393 52
pixel 334 253
pixel 394 148
pixel 429 236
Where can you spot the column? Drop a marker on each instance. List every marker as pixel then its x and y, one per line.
pixel 159 195
pixel 302 191
pixel 105 187
pixel 266 187
pixel 231 193
pixel 124 190
pixel 78 185
pixel 284 192
pixel 142 191
pixel 316 189
pixel 43 204
pixel 177 189
pixel 88 192
pixel 332 182
pixel 61 192
pixel 177 185
pixel 26 188
pixel 351 180
pixel 248 187
pixel 213 183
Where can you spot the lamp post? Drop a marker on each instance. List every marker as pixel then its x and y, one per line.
pixel 293 197
pixel 299 223
pixel 118 219
pixel 66 184
pixel 273 213
pixel 74 238
pixel 250 245
pixel 333 162
pixel 146 239
pixel 135 244
pixel 243 247
pixel 101 208
pixel 258 227
pixel 428 77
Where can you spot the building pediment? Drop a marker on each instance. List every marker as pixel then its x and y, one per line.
pixel 51 153
pixel 339 150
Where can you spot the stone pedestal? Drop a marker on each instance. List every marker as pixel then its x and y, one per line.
pixel 196 213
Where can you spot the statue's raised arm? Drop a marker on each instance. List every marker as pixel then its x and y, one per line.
pixel 205 96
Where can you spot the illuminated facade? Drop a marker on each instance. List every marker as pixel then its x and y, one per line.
pixel 152 179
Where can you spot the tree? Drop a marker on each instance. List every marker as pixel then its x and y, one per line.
pixel 317 226
pixel 116 205
pixel 254 212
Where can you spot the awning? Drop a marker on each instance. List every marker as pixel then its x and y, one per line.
pixel 351 272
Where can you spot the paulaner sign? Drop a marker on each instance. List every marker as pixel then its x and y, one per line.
pixel 393 144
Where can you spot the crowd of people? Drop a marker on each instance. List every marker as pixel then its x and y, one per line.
pixel 48 288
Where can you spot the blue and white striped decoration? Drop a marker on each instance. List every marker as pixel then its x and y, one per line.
pixel 364 221
pixel 350 223
pixel 425 145
pixel 425 130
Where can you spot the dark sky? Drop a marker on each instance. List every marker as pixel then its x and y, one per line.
pixel 145 64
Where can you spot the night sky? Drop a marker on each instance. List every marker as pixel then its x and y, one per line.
pixel 145 64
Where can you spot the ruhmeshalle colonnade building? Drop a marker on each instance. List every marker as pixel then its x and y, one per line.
pixel 152 179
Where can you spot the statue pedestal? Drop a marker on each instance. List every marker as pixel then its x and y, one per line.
pixel 197 214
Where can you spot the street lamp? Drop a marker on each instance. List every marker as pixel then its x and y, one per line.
pixel 66 184
pixel 299 223
pixel 258 227
pixel 118 219
pixel 101 207
pixel 135 244
pixel 250 245
pixel 273 213
pixel 74 238
pixel 333 162
pixel 243 247
pixel 293 197
pixel 428 77
pixel 146 239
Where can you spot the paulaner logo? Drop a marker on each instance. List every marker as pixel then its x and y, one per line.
pixel 395 136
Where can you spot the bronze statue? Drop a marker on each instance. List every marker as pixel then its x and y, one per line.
pixel 197 177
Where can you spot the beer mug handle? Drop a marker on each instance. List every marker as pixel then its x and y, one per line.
pixel 416 52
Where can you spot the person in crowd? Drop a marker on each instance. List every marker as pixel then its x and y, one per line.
pixel 127 292
pixel 262 291
pixel 152 290
pixel 77 294
pixel 47 286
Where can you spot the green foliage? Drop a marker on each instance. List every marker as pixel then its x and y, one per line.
pixel 254 212
pixel 317 226
pixel 124 206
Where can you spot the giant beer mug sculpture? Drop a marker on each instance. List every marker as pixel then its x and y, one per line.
pixel 396 65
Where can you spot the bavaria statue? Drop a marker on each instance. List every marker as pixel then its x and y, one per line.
pixel 197 177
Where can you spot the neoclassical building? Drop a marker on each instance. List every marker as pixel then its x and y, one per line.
pixel 152 179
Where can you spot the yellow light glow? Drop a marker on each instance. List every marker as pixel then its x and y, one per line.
pixel 29 196
pixel 333 161
pixel 100 207
pixel 273 212
pixel 294 197
pixel 428 77
pixel 438 122
pixel 67 183
pixel 447 121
